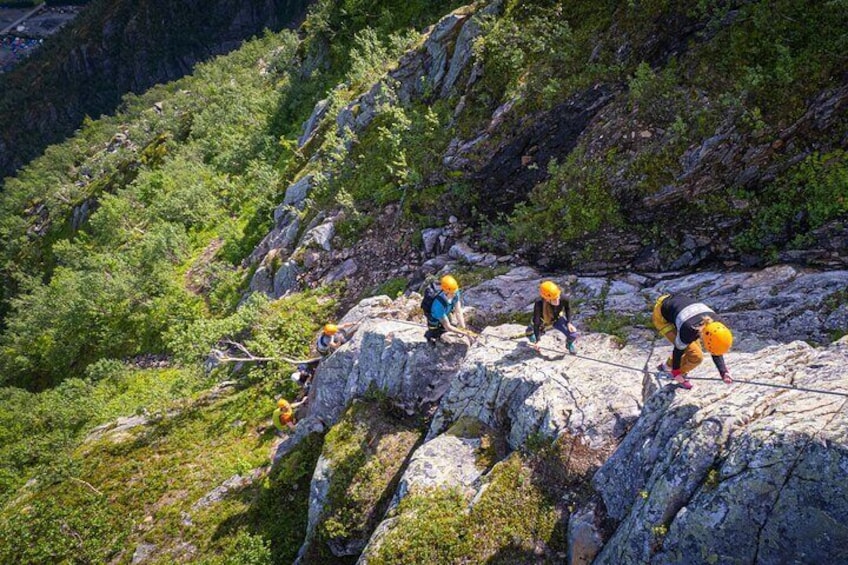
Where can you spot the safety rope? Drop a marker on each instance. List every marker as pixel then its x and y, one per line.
pixel 643 371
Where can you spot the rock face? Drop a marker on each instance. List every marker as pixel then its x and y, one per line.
pixel 760 463
pixel 764 468
pixel 779 303
pixel 507 385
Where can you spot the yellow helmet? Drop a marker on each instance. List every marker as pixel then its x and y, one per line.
pixel 717 338
pixel 282 404
pixel 449 284
pixel 549 291
pixel 330 329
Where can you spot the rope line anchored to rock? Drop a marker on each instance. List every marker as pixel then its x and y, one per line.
pixel 645 371
pixel 475 336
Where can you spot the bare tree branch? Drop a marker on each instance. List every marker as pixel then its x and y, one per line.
pixel 86 484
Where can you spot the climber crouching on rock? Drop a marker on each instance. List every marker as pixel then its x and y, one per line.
pixel 552 310
pixel 304 375
pixel 683 321
pixel 438 304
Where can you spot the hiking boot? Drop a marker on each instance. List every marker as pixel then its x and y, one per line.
pixel 431 341
pixel 571 348
pixel 664 370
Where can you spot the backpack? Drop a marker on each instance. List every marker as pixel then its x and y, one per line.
pixel 431 293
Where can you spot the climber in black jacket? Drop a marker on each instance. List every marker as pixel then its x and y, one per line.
pixel 683 321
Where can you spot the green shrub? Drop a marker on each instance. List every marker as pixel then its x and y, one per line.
pixel 537 52
pixel 806 197
pixel 776 55
pixel 391 288
pixel 576 200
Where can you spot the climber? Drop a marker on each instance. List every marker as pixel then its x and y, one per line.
pixel 683 321
pixel 283 416
pixel 333 336
pixel 438 304
pixel 548 313
pixel 304 374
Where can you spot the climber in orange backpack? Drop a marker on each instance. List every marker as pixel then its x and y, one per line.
pixel 283 416
pixel 548 313
pixel 684 321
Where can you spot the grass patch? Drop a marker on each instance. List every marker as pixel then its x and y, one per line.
pixel 510 520
pixel 366 451
pixel 280 511
pixel 142 486
pixel 391 288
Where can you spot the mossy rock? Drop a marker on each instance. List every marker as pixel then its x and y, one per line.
pixel 511 520
pixel 366 454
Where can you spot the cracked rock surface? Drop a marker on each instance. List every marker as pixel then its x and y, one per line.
pixel 507 385
pixel 737 474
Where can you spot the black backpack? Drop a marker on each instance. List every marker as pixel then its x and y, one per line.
pixel 431 293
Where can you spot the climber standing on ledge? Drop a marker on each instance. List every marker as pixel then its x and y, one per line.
pixel 683 321
pixel 548 313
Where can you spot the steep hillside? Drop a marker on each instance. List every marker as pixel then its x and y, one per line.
pixel 160 266
pixel 114 48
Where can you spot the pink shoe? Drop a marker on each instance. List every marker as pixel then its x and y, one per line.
pixel 683 382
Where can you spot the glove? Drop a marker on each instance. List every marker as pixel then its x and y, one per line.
pixel 725 376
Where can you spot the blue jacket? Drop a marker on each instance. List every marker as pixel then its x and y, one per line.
pixel 442 307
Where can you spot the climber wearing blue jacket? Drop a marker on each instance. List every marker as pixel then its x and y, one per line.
pixel 439 309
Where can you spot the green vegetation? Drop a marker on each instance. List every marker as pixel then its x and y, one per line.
pixel 809 195
pixel 537 53
pixel 39 430
pixel 366 451
pixel 575 201
pixel 775 56
pixel 279 511
pixel 512 517
pixel 391 288
pixel 87 499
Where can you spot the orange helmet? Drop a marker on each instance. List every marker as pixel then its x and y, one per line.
pixel 717 338
pixel 549 291
pixel 449 284
pixel 330 329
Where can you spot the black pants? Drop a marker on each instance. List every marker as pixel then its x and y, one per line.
pixel 434 332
